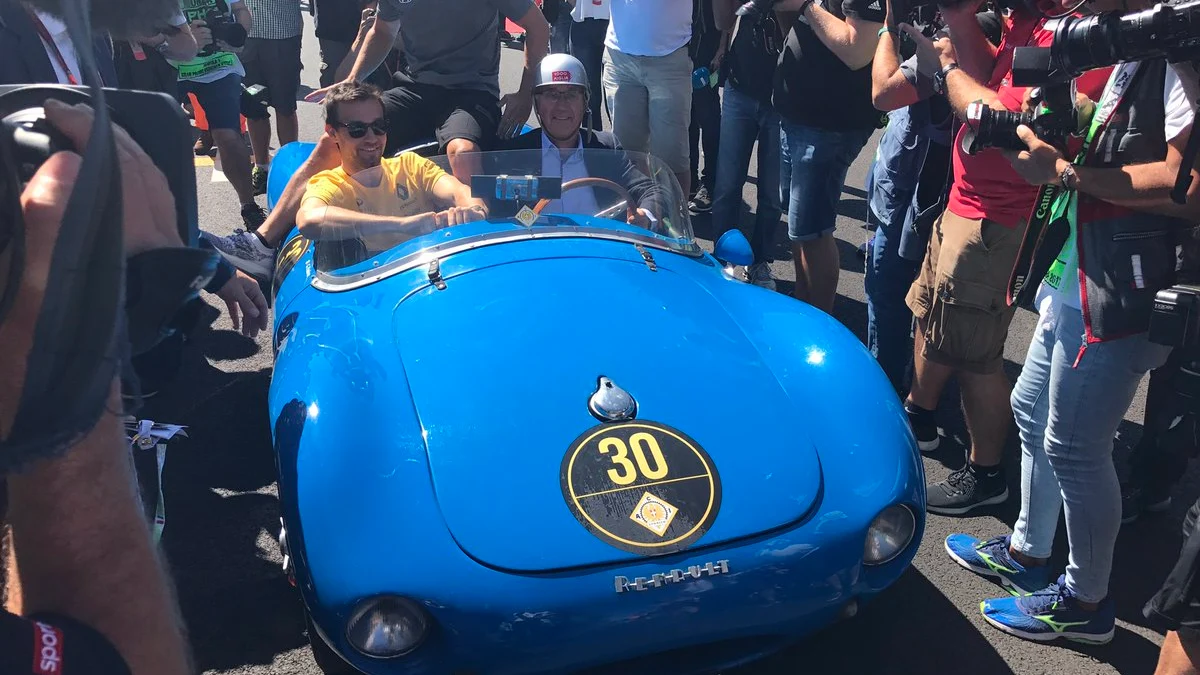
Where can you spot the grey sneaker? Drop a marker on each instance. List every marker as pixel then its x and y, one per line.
pixel 244 251
pixel 760 275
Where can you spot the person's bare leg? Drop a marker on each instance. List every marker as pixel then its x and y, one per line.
pixel 929 377
pixel 988 413
pixel 800 290
pixel 821 267
pixel 235 162
pixel 260 139
pixel 1178 656
pixel 464 159
pixel 287 127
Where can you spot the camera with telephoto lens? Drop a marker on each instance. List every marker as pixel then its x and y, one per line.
pixel 226 29
pixel 1054 119
pixel 756 9
pixel 1099 40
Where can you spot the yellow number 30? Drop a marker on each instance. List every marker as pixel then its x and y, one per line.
pixel 641 442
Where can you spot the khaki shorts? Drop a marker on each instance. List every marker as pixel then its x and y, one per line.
pixel 960 293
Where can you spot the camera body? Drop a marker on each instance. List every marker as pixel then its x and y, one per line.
pixel 1175 321
pixel 224 28
pixel 1054 120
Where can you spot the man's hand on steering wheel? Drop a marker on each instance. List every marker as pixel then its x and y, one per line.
pixel 641 218
pixel 459 215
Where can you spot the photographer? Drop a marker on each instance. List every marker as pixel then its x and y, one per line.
pixel 959 297
pixel 215 78
pixel 86 590
pixel 906 189
pixel 823 96
pixel 1091 348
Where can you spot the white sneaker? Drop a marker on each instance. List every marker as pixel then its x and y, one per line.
pixel 244 251
pixel 760 275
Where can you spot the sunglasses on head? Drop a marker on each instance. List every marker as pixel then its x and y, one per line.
pixel 359 129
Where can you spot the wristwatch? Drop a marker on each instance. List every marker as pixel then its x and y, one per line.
pixel 939 78
pixel 1068 178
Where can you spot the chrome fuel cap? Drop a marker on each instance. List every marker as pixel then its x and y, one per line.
pixel 612 403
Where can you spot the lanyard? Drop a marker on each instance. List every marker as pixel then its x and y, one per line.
pixel 1047 222
pixel 45 35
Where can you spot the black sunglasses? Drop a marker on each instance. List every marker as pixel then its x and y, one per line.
pixel 359 129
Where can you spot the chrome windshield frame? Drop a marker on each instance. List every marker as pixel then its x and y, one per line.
pixel 331 282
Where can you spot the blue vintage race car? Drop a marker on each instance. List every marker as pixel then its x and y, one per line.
pixel 568 439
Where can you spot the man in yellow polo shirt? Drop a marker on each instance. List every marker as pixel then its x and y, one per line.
pixel 381 202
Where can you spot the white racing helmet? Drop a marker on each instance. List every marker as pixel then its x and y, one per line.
pixel 562 69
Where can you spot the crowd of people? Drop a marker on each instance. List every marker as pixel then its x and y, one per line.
pixel 956 218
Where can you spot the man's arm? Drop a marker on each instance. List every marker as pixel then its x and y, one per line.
pixel 1144 187
pixel 725 14
pixel 519 104
pixel 890 89
pixel 449 191
pixel 180 43
pixel 242 14
pixel 374 49
pixel 961 88
pixel 975 54
pixel 852 41
pixel 84 550
pixel 321 222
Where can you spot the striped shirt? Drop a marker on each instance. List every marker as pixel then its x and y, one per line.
pixel 275 19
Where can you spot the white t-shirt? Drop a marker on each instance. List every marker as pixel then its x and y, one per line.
pixel 1179 116
pixel 62 39
pixel 649 27
pixel 590 9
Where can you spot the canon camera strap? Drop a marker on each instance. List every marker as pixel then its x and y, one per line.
pixel 1052 226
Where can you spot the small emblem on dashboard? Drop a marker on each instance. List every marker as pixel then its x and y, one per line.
pixel 709 569
pixel 654 514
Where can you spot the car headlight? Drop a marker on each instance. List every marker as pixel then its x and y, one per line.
pixel 387 626
pixel 890 533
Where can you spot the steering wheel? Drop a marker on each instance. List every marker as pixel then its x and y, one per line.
pixel 594 182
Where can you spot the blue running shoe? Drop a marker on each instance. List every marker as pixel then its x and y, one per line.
pixel 991 559
pixel 1050 614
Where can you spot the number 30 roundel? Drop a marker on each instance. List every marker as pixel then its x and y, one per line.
pixel 641 486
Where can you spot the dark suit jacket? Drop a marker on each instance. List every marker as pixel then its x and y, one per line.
pixel 23 58
pixel 614 165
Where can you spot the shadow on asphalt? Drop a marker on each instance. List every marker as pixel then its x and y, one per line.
pixel 950 640
pixel 222 512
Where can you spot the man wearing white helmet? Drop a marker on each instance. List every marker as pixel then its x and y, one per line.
pixel 560 95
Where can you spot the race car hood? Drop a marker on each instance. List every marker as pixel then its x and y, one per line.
pixel 502 363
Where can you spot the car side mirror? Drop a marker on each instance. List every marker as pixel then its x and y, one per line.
pixel 733 247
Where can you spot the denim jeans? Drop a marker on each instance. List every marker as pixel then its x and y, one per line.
pixel 1067 414
pixel 819 162
pixel 889 320
pixel 587 45
pixel 745 120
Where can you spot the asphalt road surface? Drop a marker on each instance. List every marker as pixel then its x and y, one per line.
pixel 222 513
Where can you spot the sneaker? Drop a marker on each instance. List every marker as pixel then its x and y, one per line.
pixel 258 180
pixel 253 216
pixel 204 144
pixel 924 426
pixel 966 490
pixel 760 275
pixel 991 559
pixel 244 251
pixel 701 202
pixel 1050 614
pixel 1137 500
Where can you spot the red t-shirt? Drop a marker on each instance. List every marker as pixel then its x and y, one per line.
pixel 985 184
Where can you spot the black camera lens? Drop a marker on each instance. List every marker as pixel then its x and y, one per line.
pixel 988 128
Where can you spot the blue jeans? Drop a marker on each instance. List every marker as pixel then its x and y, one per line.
pixel 745 120
pixel 819 161
pixel 1067 415
pixel 889 320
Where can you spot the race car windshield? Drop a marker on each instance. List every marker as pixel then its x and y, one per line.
pixel 511 196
